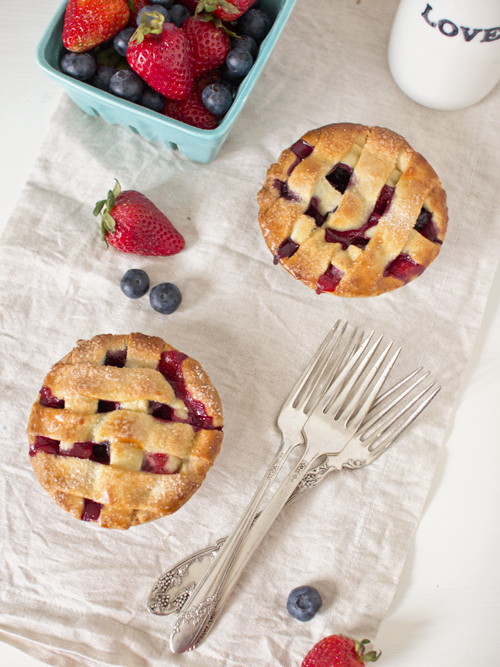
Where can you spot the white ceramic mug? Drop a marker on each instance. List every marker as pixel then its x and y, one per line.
pixel 445 54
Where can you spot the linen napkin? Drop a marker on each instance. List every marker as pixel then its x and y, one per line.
pixel 73 594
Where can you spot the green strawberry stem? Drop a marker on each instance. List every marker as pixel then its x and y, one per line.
pixel 104 208
pixel 151 24
pixel 205 18
pixel 371 656
pixel 212 5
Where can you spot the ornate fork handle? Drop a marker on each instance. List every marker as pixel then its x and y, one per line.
pixel 173 589
pixel 205 604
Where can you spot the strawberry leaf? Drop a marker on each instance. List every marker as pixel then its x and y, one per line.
pixel 107 222
pixel 98 207
pixel 151 23
pixel 372 656
pixel 110 201
pixel 103 234
pixel 117 189
pixel 227 6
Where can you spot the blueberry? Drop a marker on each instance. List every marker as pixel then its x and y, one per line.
pixel 231 87
pixel 178 14
pixel 102 77
pixel 239 62
pixel 121 40
pixel 135 283
pixel 217 98
pixel 165 3
pixel 151 99
pixel 165 298
pixel 154 8
pixel 229 77
pixel 80 66
pixel 246 43
pixel 303 603
pixel 127 84
pixel 255 23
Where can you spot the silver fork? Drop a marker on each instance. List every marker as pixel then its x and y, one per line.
pixel 338 415
pixel 173 588
pixel 320 371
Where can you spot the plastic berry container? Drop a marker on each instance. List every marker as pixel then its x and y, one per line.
pixel 198 145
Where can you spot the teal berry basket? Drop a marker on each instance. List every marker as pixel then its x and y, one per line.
pixel 197 145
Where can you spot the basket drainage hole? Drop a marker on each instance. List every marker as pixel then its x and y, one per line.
pixel 132 129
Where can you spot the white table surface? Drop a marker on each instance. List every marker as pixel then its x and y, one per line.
pixel 447 605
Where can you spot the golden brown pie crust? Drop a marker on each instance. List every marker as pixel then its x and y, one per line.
pixel 128 495
pixel 378 157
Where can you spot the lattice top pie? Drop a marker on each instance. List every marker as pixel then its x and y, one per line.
pixel 353 210
pixel 124 430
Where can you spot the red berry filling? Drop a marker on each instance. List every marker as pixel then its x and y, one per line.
pixel 358 236
pixel 351 236
pixel 157 464
pixel 93 451
pixel 48 400
pixel 284 191
pixel 313 212
pixel 301 149
pixel 161 411
pixel 286 249
pixel 116 358
pixel 107 406
pixel 426 226
pixel 384 200
pixel 339 177
pixel 404 268
pixel 170 367
pixel 329 280
pixel 91 510
pixel 43 444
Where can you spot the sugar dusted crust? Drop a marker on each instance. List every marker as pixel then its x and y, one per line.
pixel 396 246
pixel 126 491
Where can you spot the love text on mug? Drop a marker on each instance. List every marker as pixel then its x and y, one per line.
pixel 450 29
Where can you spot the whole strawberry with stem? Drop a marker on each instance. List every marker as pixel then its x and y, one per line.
pixel 209 41
pixel 160 54
pixel 339 651
pixel 132 223
pixel 88 23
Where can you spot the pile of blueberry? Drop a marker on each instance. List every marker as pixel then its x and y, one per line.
pixel 106 66
pixel 164 298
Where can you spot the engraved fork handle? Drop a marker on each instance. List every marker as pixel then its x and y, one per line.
pixel 174 588
pixel 195 621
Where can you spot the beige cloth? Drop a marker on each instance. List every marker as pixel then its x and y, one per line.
pixel 75 595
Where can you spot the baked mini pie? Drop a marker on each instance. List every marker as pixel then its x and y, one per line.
pixel 124 430
pixel 353 210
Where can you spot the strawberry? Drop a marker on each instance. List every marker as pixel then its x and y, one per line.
pixel 339 651
pixel 225 10
pixel 192 111
pixel 131 222
pixel 209 42
pixel 159 52
pixel 88 23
